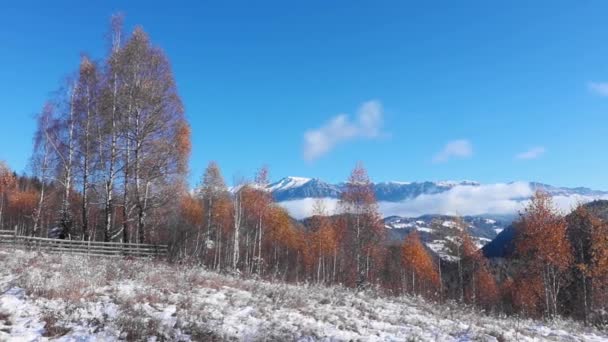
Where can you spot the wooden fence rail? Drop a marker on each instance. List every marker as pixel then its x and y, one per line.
pixel 91 248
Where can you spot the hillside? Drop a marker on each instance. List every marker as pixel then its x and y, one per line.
pixel 436 231
pixel 63 298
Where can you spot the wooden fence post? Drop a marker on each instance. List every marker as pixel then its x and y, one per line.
pixel 15 238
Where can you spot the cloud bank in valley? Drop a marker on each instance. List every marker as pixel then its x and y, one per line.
pixel 493 199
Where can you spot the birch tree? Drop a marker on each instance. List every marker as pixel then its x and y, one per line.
pixel 153 127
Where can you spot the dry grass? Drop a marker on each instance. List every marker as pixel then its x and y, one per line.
pixel 52 328
pixel 160 300
pixel 136 326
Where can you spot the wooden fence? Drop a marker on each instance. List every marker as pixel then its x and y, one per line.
pixel 90 248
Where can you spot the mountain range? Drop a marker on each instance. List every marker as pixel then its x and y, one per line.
pixel 414 199
pixel 293 188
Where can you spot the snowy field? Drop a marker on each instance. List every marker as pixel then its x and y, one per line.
pixel 65 298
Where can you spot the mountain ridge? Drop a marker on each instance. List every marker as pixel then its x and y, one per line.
pixel 292 188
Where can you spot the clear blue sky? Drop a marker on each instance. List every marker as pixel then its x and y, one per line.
pixel 502 77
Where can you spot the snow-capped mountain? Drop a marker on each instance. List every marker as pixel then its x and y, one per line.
pixel 414 199
pixel 294 188
pixel 487 209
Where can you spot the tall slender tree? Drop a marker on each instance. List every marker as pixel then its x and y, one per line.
pixel 212 193
pixel 85 119
pixel 420 269
pixel 108 132
pixel 7 182
pixel 580 229
pixel 42 161
pixel 154 127
pixel 543 247
pixel 363 228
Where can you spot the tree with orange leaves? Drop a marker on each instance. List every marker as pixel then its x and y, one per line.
pixel 191 210
pixel 419 266
pixel 488 293
pixel 255 204
pixel 22 205
pixel 541 244
pixel 7 182
pixel 282 239
pixel 527 294
pixel 467 257
pixel 581 227
pixel 364 230
pixel 323 237
pixel 599 267
pixel 469 263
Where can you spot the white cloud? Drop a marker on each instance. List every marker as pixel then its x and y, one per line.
pixel 532 153
pixel 600 88
pixel 339 129
pixel 464 200
pixel 302 208
pixel 454 149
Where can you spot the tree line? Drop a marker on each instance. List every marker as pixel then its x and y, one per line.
pixel 559 265
pixel 110 162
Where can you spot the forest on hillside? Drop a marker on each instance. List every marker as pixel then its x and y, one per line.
pixel 110 161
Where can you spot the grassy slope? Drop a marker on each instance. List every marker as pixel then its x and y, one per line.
pixel 65 298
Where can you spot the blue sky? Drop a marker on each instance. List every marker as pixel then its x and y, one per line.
pixel 484 90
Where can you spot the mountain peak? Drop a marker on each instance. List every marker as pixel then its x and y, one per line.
pixel 288 183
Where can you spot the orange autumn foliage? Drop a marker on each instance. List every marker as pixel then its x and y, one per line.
pixel 192 210
pixel 543 247
pixel 599 266
pixel 420 269
pixel 488 293
pixel 527 295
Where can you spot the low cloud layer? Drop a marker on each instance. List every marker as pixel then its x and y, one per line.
pixel 303 208
pixel 496 199
pixel 599 88
pixel 341 129
pixel 464 200
pixel 454 149
pixel 532 153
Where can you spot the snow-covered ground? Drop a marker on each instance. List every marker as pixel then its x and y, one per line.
pixel 66 298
